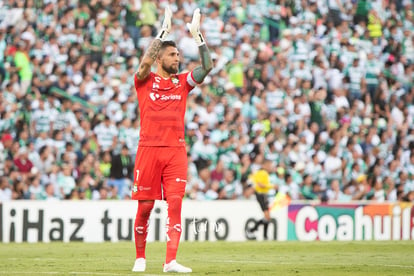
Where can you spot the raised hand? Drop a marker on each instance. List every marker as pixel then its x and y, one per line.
pixel 194 28
pixel 166 24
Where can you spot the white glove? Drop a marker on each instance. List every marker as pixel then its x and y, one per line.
pixel 194 28
pixel 166 24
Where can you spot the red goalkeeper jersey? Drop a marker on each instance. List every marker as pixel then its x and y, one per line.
pixel 162 105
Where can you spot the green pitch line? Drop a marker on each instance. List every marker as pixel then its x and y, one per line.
pixel 213 258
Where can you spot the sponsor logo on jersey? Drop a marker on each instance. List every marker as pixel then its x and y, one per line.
pixel 171 97
pixel 154 96
pixel 175 80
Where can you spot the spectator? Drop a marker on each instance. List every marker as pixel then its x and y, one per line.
pixel 121 173
pixel 50 193
pixel 105 163
pixel 6 157
pixel 307 189
pixel 22 162
pixel 106 134
pixel 229 186
pixel 335 194
pixel 23 67
pixel 36 190
pixel 66 182
pixel 204 152
pixel 217 173
pixel 41 120
pixel 46 160
pixel 5 190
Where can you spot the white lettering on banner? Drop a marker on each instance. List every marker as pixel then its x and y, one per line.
pixel 382 233
pixel 202 226
pixel 305 214
pixel 407 222
pixel 345 230
pixel 326 228
pixel 362 227
pixel 396 223
pixel 99 221
pixel 404 221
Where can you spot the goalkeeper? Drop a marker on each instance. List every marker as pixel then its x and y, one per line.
pixel 161 162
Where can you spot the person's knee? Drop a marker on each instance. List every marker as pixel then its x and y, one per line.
pixel 174 210
pixel 145 207
pixel 174 203
pixel 174 198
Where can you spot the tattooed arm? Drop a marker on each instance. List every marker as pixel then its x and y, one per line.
pixel 149 57
pixel 152 52
pixel 200 72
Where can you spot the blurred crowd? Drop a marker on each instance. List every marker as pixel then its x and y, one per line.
pixel 323 89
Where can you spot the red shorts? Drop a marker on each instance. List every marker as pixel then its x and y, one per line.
pixel 159 172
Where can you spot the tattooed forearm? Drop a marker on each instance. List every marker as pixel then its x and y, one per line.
pixel 143 71
pixel 149 57
pixel 200 72
pixel 206 61
pixel 153 49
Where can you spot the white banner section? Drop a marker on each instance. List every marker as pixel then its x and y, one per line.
pixel 112 221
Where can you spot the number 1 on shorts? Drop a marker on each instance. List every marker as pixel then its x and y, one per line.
pixel 136 178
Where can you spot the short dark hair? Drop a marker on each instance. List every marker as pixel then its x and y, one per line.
pixel 168 43
pixel 165 44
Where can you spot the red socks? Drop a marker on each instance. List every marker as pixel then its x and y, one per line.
pixel 173 227
pixel 141 226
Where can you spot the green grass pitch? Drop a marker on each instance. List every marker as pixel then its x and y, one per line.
pixel 212 258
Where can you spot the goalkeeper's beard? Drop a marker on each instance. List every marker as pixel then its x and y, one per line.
pixel 172 69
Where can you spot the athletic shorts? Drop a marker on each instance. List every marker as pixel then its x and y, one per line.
pixel 263 201
pixel 159 172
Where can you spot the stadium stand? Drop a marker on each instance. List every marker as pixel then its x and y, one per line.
pixel 324 90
